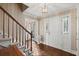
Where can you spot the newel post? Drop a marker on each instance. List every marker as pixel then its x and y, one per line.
pixel 31 40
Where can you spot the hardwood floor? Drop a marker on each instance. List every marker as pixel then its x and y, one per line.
pixel 38 50
pixel 44 50
pixel 11 51
pixel 1 47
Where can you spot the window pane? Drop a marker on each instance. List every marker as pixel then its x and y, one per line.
pixel 66 24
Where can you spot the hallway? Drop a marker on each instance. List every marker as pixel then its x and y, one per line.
pixel 54 26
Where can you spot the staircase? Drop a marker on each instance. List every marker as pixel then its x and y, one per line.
pixel 16 34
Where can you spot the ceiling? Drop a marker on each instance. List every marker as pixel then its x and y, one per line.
pixel 35 9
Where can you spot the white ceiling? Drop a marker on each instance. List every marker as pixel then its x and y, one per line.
pixel 35 10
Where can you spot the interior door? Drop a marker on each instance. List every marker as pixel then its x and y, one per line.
pixel 66 33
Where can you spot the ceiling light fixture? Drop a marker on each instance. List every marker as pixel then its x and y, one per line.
pixel 44 8
pixel 44 11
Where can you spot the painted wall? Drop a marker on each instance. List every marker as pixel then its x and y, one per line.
pixel 53 33
pixel 15 11
pixel 55 37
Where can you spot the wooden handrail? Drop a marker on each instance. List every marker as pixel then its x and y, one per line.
pixel 15 20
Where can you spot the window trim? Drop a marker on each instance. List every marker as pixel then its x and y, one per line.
pixel 65 32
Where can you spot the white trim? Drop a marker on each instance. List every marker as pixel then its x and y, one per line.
pixel 69 20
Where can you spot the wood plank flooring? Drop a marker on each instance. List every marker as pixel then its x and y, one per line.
pixel 44 50
pixel 38 50
pixel 11 51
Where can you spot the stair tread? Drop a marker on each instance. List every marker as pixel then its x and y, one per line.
pixel 3 39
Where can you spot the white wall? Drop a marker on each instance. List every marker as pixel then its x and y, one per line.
pixel 55 36
pixel 14 10
pixel 54 32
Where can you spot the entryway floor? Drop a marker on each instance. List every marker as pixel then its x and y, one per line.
pixel 44 50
